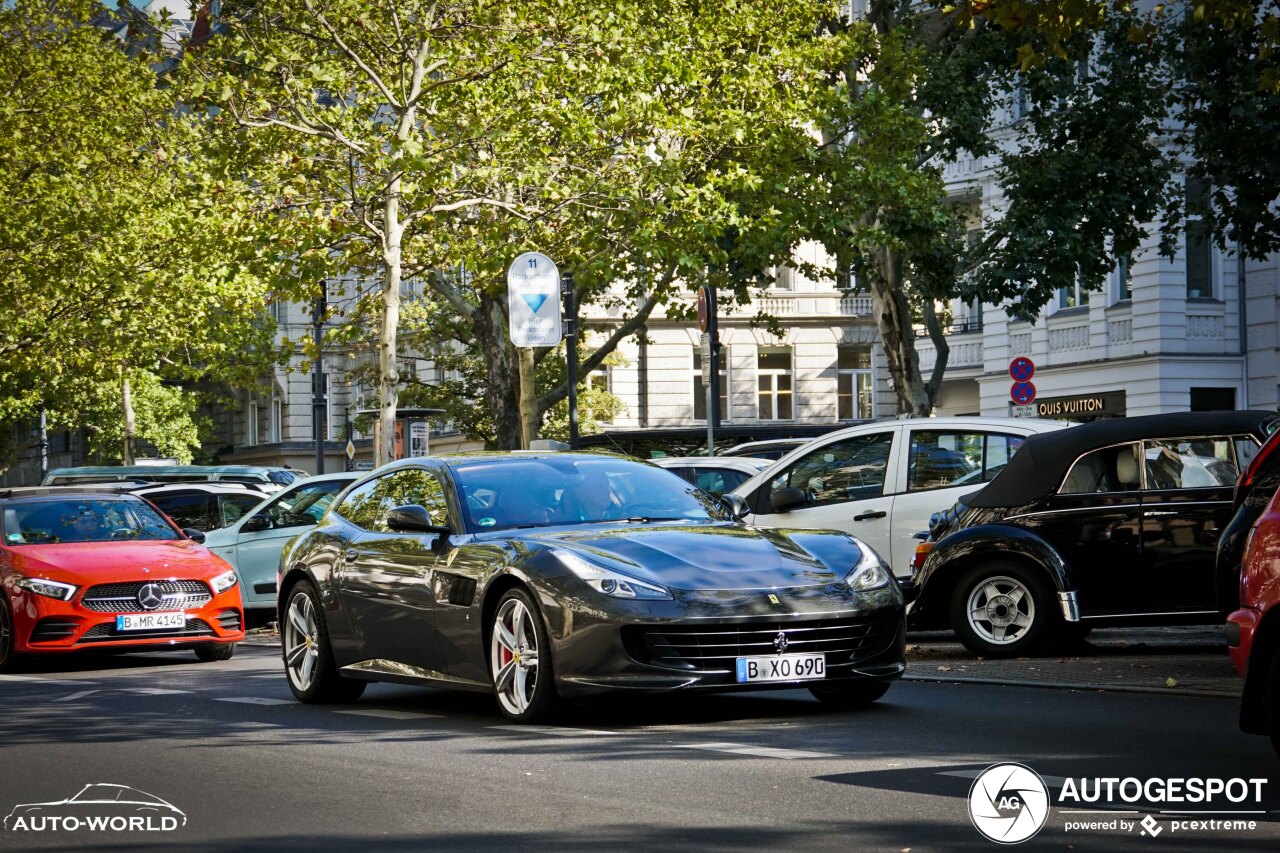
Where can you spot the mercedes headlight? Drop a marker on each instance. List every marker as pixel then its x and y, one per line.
pixel 869 574
pixel 47 588
pixel 223 582
pixel 610 583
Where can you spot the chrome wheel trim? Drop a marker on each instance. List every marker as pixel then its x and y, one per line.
pixel 1000 610
pixel 301 641
pixel 513 656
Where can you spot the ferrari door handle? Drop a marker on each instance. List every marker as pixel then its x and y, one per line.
pixel 351 553
pixel 1158 513
pixel 867 516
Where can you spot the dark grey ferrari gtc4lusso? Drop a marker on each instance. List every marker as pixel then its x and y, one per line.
pixel 542 576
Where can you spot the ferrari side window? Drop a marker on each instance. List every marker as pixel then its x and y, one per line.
pixel 361 506
pixel 416 486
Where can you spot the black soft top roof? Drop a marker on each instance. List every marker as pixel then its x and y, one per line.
pixel 1041 463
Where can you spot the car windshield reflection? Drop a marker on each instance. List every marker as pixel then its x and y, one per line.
pixel 541 492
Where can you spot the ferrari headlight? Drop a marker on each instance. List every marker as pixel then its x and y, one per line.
pixel 223 582
pixel 47 588
pixel 869 574
pixel 610 583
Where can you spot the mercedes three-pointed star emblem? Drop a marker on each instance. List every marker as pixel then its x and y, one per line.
pixel 150 596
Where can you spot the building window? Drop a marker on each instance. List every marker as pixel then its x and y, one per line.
pixel 1071 297
pixel 784 278
pixel 1124 278
pixel 773 375
pixel 277 418
pixel 327 431
pixel 600 379
pixel 251 425
pixel 700 391
pixel 1199 241
pixel 1213 399
pixel 853 383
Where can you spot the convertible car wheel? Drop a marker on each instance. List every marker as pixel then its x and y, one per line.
pixel 849 696
pixel 1000 610
pixel 308 660
pixel 520 660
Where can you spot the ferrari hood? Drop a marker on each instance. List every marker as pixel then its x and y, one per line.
pixel 713 556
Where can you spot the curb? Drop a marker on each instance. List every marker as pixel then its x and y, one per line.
pixel 1066 685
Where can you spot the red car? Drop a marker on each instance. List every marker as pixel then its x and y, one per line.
pixel 81 569
pixel 1253 631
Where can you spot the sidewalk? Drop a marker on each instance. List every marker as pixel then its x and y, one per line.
pixel 1185 661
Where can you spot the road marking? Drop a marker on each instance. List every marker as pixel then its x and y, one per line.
pixel 555 731
pixel 31 679
pixel 153 691
pixel 389 714
pixel 1051 781
pixel 255 700
pixel 74 696
pixel 756 751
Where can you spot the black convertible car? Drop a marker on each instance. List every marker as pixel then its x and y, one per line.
pixel 1110 522
pixel 541 576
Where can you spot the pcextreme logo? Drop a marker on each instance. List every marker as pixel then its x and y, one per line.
pixel 101 807
pixel 1008 803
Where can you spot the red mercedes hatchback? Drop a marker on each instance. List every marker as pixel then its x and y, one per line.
pixel 1253 631
pixel 81 569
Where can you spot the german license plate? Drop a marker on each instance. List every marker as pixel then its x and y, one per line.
pixel 150 621
pixel 782 668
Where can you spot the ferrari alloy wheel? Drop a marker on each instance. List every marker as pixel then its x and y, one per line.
pixel 999 610
pixel 520 660
pixel 308 662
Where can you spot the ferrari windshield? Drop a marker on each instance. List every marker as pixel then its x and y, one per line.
pixel 506 493
pixel 83 519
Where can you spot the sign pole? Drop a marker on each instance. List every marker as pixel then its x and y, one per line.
pixel 713 405
pixel 571 347
pixel 318 403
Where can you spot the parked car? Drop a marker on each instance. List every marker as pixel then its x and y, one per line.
pixel 715 475
pixel 93 570
pixel 1253 630
pixel 541 576
pixel 1110 522
pixel 252 545
pixel 881 481
pixel 774 448
pixel 655 443
pixel 271 478
pixel 202 506
pixel 1259 480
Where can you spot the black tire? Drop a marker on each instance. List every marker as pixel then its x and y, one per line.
pixel 849 696
pixel 9 659
pixel 1272 700
pixel 327 686
pixel 543 702
pixel 215 652
pixel 1033 606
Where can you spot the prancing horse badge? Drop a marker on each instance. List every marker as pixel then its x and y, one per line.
pixel 773 599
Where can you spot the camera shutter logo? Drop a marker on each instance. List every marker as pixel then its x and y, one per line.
pixel 1008 803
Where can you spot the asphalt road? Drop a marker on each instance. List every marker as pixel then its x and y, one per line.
pixel 419 769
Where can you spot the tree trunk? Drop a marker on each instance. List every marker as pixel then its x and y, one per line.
pixel 388 367
pixel 530 417
pixel 502 371
pixel 130 419
pixel 893 318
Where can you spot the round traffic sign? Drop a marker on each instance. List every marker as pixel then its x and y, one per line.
pixel 1021 369
pixel 704 313
pixel 1023 393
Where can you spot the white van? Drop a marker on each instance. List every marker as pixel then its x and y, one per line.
pixel 881 481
